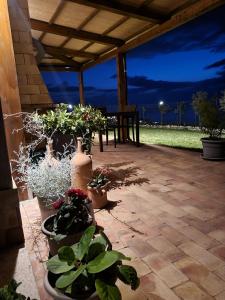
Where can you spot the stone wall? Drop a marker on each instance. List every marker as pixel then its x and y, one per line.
pixel 32 89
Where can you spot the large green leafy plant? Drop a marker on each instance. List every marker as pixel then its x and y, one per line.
pixel 211 118
pixel 83 121
pixel 91 265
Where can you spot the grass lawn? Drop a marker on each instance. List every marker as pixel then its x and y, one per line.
pixel 184 138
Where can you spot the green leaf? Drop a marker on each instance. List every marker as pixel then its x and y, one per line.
pixel 84 243
pixel 66 253
pixel 69 277
pixel 104 260
pixel 58 237
pixel 106 291
pixel 129 276
pixel 56 266
pixel 97 246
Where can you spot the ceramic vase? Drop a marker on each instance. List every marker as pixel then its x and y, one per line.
pixel 81 168
pixel 45 206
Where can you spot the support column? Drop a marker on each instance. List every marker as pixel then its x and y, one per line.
pixel 81 87
pixel 11 231
pixel 122 81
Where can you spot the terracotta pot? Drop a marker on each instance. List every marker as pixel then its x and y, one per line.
pixel 67 241
pixel 98 196
pixel 81 168
pixel 213 149
pixel 46 210
pixel 57 295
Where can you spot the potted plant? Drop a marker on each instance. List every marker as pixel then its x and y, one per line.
pixel 97 187
pixel 82 121
pixel 47 178
pixel 89 270
pixel 8 292
pixel 70 221
pixel 212 122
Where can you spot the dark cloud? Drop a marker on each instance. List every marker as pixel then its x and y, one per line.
pixel 205 32
pixel 217 64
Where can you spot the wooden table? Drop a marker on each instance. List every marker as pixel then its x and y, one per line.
pixel 124 121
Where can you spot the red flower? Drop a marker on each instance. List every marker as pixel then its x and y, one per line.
pixel 77 193
pixel 57 204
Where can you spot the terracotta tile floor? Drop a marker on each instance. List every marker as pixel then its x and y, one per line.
pixel 167 212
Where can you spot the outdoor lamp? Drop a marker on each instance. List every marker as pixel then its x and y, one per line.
pixel 161 102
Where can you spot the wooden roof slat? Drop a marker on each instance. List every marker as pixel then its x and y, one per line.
pixel 66 51
pixel 54 16
pixel 124 9
pixel 73 33
pixel 89 18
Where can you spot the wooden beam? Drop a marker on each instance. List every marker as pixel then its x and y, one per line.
pixel 122 80
pixel 125 9
pixel 66 51
pixel 56 67
pixel 67 60
pixel 73 33
pixel 194 10
pixel 81 87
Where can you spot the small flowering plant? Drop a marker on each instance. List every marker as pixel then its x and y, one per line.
pixel 100 178
pixel 74 215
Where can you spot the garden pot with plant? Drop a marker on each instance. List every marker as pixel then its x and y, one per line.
pixel 212 122
pixel 89 269
pixel 48 178
pixel 97 188
pixel 67 226
pixel 64 125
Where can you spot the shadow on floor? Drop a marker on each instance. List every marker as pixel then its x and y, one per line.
pixel 8 258
pixel 120 177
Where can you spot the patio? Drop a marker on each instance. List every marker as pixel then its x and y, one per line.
pixel 167 214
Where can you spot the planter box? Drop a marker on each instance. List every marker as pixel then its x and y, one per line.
pixel 213 149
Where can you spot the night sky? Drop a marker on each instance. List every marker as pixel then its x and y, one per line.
pixel 170 68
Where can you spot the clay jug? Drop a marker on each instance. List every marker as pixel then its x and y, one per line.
pixel 81 168
pixel 45 206
pixel 49 159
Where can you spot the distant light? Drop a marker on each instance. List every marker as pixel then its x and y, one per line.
pixel 161 103
pixel 67 67
pixel 70 106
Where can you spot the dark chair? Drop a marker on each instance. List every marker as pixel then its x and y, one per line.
pixel 111 125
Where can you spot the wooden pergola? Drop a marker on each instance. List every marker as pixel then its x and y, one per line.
pixel 78 34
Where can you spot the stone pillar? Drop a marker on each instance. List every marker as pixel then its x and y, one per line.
pixel 32 89
pixel 11 231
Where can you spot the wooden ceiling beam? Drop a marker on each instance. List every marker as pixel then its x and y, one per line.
pixel 73 33
pixel 65 51
pixel 56 67
pixel 125 9
pixel 183 16
pixel 65 59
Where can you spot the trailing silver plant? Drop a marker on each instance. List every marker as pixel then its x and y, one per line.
pixel 47 181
